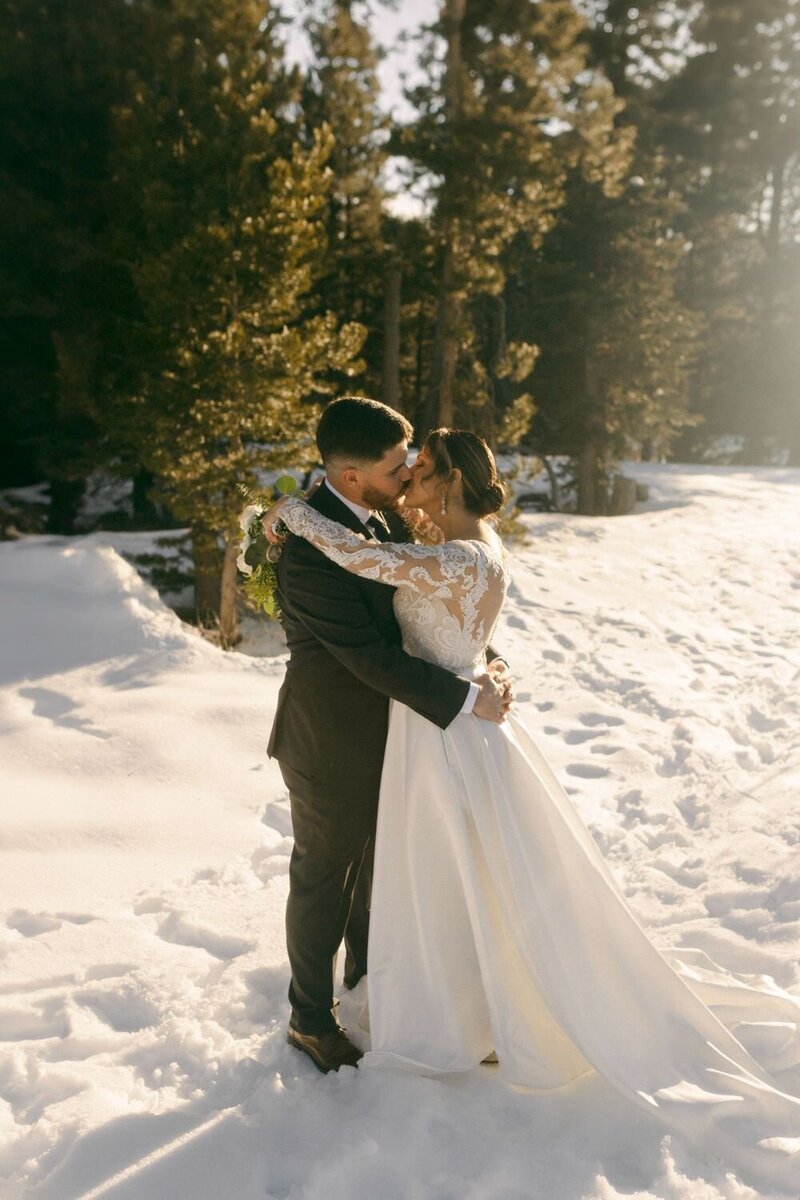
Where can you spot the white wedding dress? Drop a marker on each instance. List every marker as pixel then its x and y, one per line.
pixel 496 923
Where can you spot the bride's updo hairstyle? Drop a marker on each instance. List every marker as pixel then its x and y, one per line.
pixel 484 491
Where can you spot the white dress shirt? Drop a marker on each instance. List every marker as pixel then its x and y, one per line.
pixel 364 515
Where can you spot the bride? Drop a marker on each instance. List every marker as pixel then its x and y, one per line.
pixel 496 923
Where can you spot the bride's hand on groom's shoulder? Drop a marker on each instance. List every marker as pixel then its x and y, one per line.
pixel 274 529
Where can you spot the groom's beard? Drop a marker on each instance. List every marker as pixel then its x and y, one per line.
pixel 374 498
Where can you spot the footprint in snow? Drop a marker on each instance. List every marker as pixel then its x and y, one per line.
pixel 689 874
pixel 668 767
pixel 576 737
pixel 791 835
pixel 108 971
pixel 27 986
pixel 269 862
pixel 667 837
pixel 720 904
pixel 587 771
pixel 180 932
pixel 749 922
pixel 150 904
pixel 32 924
pixel 278 816
pixel 750 874
pixel 631 808
pixel 696 813
pixel 781 901
pixel 123 1008
pixel 764 724
pixel 45 1020
pixel 592 719
pixel 515 594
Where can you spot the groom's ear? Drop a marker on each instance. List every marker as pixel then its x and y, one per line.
pixel 351 476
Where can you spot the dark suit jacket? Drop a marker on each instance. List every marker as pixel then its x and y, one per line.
pixel 346 661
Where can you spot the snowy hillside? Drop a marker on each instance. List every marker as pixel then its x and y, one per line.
pixel 146 841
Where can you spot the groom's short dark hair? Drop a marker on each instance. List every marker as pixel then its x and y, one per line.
pixel 355 429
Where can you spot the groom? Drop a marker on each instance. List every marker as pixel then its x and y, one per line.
pixel 329 734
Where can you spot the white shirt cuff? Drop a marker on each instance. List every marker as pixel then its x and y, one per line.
pixel 472 696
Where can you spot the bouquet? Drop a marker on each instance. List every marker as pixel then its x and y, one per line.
pixel 258 558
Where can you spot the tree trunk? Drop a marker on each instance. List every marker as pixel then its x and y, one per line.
pixel 445 351
pixel 587 481
pixel 555 489
pixel 623 496
pixel 501 386
pixel 765 413
pixel 592 482
pixel 229 591
pixel 65 503
pixel 419 362
pixel 391 337
pixel 145 514
pixel 600 491
pixel 451 311
pixel 207 572
pixel 441 406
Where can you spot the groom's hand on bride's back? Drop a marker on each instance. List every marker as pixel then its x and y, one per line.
pixel 493 699
pixel 500 672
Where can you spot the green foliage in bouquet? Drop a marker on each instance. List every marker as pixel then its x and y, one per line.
pixel 258 560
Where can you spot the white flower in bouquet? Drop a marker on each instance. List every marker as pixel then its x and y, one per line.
pixel 258 557
pixel 250 514
pixel 250 524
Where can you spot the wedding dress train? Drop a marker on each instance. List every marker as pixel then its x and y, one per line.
pixel 497 924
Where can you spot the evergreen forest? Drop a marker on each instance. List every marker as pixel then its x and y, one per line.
pixel 202 244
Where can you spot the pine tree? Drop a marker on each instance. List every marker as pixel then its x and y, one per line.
pixel 509 75
pixel 616 342
pixel 61 285
pixel 730 121
pixel 228 239
pixel 341 92
pixel 601 297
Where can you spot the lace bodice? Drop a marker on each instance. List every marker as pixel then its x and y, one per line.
pixel 448 597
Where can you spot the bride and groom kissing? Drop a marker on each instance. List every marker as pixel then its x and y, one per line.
pixel 432 837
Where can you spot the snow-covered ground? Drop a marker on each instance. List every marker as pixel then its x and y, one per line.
pixel 145 845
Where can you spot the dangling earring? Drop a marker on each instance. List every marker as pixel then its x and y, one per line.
pixel 443 509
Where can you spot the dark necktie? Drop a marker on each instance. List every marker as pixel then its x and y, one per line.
pixel 376 525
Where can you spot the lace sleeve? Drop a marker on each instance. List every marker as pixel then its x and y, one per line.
pixel 449 570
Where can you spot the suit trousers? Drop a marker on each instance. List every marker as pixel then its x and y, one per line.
pixel 330 878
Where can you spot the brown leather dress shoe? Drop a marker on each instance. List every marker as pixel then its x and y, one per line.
pixel 327 1051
